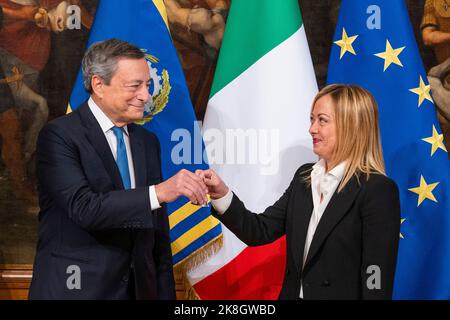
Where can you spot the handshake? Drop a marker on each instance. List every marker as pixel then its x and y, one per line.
pixel 195 186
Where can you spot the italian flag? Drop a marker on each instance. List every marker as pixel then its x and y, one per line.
pixel 258 116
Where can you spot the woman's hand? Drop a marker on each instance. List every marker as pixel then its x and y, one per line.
pixel 216 187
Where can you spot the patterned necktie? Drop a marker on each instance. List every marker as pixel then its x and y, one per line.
pixel 122 159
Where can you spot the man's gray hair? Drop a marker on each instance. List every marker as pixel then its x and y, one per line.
pixel 102 57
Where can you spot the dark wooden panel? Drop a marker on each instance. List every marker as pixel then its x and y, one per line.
pixel 15 282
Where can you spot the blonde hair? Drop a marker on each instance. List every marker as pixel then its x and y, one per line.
pixel 357 129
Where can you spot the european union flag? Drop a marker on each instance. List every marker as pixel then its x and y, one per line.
pixel 374 46
pixel 170 116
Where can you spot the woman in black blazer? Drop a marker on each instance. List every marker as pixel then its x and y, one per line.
pixel 341 216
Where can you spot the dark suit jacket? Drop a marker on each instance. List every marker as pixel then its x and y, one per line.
pixel 359 228
pixel 88 220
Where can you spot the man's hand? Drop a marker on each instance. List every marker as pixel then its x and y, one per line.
pixel 41 18
pixel 184 183
pixel 58 17
pixel 216 187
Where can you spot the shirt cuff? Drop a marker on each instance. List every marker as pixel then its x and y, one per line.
pixel 222 204
pixel 154 203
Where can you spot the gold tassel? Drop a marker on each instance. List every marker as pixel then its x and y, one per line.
pixel 194 260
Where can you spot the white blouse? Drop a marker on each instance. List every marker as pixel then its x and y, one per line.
pixel 323 186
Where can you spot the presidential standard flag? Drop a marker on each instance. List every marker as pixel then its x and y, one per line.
pixel 169 115
pixel 374 46
pixel 259 109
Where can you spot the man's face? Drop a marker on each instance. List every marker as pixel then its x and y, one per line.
pixel 124 99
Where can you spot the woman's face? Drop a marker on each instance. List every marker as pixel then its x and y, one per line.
pixel 323 128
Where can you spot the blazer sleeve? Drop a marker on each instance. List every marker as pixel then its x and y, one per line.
pixel 380 235
pixel 62 182
pixel 162 254
pixel 258 229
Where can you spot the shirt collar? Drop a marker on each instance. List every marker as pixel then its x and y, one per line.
pixel 337 172
pixel 319 167
pixel 105 123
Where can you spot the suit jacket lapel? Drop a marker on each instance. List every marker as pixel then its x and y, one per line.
pixel 303 209
pixel 97 138
pixel 137 150
pixel 335 211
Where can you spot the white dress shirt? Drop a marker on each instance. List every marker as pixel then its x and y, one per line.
pixel 323 185
pixel 107 125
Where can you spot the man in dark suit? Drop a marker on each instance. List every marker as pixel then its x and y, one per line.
pixel 103 230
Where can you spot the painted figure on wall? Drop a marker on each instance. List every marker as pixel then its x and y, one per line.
pixel 441 88
pixel 24 51
pixel 25 43
pixel 40 48
pixel 436 33
pixel 205 17
pixel 197 28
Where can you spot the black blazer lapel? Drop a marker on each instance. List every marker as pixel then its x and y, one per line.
pixel 335 211
pixel 302 214
pixel 138 152
pixel 97 138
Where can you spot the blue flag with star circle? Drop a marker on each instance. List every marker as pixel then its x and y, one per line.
pixel 374 47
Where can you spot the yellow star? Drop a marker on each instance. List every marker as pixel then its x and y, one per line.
pixel 425 191
pixel 422 91
pixel 401 222
pixel 346 43
pixel 436 141
pixel 390 55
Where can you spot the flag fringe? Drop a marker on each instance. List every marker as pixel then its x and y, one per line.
pixel 191 294
pixel 195 259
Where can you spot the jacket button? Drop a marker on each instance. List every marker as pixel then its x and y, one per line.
pixel 125 278
pixel 326 283
pixel 288 271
